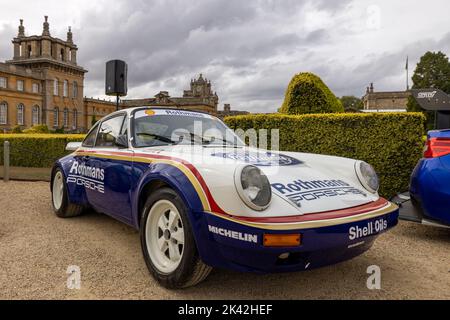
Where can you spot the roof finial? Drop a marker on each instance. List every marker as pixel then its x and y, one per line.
pixel 21 29
pixel 46 31
pixel 70 35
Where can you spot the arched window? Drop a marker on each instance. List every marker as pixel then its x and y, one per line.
pixel 56 117
pixel 3 113
pixel 65 88
pixel 66 117
pixel 55 87
pixel 20 114
pixel 75 89
pixel 35 116
pixel 75 118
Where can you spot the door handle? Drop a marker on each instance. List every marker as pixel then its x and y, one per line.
pixel 85 158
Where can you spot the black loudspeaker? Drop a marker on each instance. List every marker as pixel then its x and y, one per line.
pixel 116 78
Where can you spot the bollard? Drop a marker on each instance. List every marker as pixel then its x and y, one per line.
pixel 6 161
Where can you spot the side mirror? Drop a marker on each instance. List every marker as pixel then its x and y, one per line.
pixel 122 141
pixel 73 146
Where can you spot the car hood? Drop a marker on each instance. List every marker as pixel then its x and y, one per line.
pixel 301 183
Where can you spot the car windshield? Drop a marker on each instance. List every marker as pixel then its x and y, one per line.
pixel 155 127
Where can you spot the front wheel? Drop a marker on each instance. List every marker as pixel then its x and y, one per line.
pixel 168 243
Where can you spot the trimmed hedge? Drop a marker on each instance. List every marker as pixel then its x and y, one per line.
pixel 37 150
pixel 307 93
pixel 391 142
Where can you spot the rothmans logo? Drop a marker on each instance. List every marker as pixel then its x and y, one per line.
pixel 298 191
pixel 87 171
pixel 233 234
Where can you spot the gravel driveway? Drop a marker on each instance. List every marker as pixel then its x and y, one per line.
pixel 36 248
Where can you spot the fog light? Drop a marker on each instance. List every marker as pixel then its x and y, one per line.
pixel 282 240
pixel 284 255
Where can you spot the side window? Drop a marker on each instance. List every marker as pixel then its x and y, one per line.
pixel 124 130
pixel 109 131
pixel 89 141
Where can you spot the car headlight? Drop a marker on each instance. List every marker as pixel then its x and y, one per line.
pixel 253 187
pixel 367 176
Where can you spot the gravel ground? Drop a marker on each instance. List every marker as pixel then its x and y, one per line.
pixel 36 248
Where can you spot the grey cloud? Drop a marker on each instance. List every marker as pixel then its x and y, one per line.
pixel 249 49
pixel 159 39
pixel 7 32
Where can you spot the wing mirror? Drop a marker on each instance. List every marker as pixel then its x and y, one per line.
pixel 73 146
pixel 122 141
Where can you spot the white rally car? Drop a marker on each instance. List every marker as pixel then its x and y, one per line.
pixel 201 199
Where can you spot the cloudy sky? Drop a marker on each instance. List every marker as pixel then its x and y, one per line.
pixel 249 49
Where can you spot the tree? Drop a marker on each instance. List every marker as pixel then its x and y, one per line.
pixel 351 103
pixel 432 71
pixel 307 93
pixel 94 120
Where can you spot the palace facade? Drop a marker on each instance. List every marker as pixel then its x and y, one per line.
pixel 43 84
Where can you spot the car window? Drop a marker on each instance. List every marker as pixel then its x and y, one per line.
pixel 168 127
pixel 109 131
pixel 90 138
pixel 124 130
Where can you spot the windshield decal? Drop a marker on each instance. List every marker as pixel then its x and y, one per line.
pixel 171 112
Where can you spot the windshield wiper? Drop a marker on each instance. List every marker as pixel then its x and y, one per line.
pixel 157 136
pixel 194 136
pixel 225 142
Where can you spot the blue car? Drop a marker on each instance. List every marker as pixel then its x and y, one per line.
pixel 428 201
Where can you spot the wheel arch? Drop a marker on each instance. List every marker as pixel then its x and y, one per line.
pixel 153 182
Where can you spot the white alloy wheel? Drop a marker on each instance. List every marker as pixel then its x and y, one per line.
pixel 58 190
pixel 164 235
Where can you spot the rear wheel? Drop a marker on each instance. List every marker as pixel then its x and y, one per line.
pixel 168 243
pixel 62 207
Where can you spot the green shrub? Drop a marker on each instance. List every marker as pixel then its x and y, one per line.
pixel 41 128
pixel 36 150
pixel 17 129
pixel 59 130
pixel 307 93
pixel 391 142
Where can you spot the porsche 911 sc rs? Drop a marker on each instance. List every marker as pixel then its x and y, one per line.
pixel 201 198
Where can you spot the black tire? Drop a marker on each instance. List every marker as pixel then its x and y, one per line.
pixel 66 209
pixel 191 269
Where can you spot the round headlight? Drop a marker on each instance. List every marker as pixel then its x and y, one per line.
pixel 367 176
pixel 253 187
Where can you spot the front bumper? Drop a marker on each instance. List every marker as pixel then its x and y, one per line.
pixel 239 246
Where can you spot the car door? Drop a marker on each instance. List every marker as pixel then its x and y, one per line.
pixel 77 183
pixel 112 165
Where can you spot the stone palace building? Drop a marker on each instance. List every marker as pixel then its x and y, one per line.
pixel 385 101
pixel 43 84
